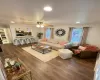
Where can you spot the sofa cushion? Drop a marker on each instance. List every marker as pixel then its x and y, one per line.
pixel 92 48
pixel 52 44
pixel 49 40
pixel 53 41
pixel 62 43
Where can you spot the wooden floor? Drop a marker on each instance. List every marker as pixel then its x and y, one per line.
pixel 56 69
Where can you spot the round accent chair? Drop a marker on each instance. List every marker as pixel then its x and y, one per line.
pixel 65 53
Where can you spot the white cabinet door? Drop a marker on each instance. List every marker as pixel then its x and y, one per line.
pixel 97 69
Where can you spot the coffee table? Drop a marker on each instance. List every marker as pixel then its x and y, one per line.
pixel 16 73
pixel 41 48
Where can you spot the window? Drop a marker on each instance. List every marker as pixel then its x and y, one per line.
pixel 48 33
pixel 76 35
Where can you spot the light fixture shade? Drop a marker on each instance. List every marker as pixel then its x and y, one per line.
pixel 42 26
pixel 47 8
pixel 12 22
pixel 77 22
pixel 38 25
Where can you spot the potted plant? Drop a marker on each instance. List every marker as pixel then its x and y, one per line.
pixel 39 35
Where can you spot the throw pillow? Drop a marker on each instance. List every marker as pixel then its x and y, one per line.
pixel 68 45
pixel 77 51
pixel 75 44
pixel 92 48
pixel 82 48
pixel 44 39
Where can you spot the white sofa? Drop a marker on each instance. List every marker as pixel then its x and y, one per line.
pixel 53 43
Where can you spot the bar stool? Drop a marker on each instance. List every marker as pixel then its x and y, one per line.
pixel 16 42
pixel 22 41
pixel 32 40
pixel 27 41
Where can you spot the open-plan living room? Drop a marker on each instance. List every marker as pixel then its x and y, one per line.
pixel 49 39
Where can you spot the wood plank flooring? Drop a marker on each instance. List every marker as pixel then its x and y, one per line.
pixel 56 69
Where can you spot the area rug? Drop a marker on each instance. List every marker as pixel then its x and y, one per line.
pixel 43 57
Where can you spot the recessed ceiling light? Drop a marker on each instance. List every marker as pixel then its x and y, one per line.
pixel 48 8
pixel 12 22
pixel 77 22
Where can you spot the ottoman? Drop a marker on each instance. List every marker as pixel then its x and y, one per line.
pixel 65 53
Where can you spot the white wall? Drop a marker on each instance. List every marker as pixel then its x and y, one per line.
pixel 64 38
pixel 33 29
pixel 94 36
pixel 8 33
pixel 66 28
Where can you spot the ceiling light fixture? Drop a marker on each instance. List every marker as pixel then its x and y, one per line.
pixel 40 24
pixel 48 8
pixel 12 22
pixel 77 22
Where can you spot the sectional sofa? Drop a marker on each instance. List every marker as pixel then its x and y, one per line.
pixel 56 44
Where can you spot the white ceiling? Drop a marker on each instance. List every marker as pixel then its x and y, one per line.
pixel 64 11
